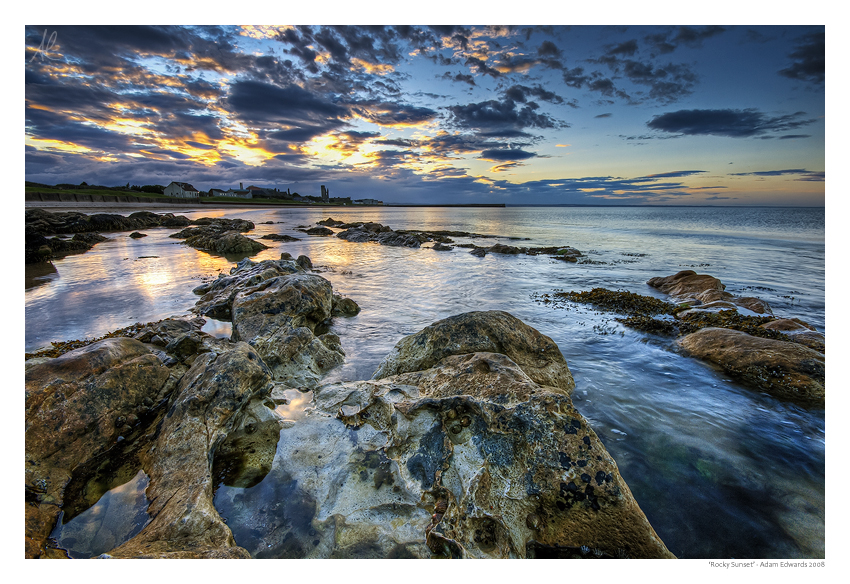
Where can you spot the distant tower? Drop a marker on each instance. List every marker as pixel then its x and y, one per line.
pixel 325 194
pixel 240 187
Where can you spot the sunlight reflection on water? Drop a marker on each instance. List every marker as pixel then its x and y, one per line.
pixel 706 458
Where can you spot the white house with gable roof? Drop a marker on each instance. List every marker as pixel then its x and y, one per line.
pixel 182 190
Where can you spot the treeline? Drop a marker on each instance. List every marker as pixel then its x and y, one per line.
pixel 155 189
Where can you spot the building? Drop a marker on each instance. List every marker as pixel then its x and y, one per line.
pixel 217 193
pixel 241 193
pixel 181 190
pixel 368 202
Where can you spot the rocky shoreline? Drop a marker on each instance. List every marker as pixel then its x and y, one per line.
pixel 784 357
pixel 465 442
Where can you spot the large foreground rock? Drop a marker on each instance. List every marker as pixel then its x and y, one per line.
pixel 472 332
pixel 78 407
pixel 785 370
pixel 468 458
pixel 210 399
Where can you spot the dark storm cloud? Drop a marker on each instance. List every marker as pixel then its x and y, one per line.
pixel 604 115
pixel 548 49
pixel 48 125
pixel 506 155
pixel 726 122
pixel 794 136
pixel 262 102
pixel 575 77
pixel 809 59
pixel 500 117
pixel 694 37
pixel 392 114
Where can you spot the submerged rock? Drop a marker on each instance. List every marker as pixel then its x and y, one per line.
pixel 280 237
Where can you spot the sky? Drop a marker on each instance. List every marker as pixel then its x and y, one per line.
pixel 515 114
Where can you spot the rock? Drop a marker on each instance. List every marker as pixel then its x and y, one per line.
pixel 494 332
pixel 279 237
pixel 381 234
pixel 318 231
pixel 799 332
pixel 479 252
pixel 228 243
pixel 757 305
pixel 217 296
pixel 77 407
pixel 47 223
pixel 331 222
pixel 783 369
pixel 280 318
pixel 304 262
pixel 210 399
pixel 440 247
pixel 220 236
pixel 277 308
pixel 344 306
pixel 469 458
pixel 504 249
pixel 137 235
pixel 245 457
pixel 686 283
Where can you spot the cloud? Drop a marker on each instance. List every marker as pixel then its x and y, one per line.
pixel 263 102
pixel 520 93
pixel 506 155
pixel 726 122
pixel 393 114
pixel 693 37
pixel 809 63
pixel 806 175
pixel 500 118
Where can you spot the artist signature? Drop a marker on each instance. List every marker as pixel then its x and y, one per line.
pixel 47 43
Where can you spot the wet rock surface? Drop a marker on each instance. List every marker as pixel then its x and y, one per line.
pixel 464 444
pixel 493 332
pixel 208 402
pixel 786 370
pixel 469 458
pixel 79 406
pixel 781 356
pixel 220 236
pixel 47 223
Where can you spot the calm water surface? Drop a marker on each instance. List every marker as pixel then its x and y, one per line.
pixel 719 469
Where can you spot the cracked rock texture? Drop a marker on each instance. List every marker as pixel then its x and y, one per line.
pixel 209 400
pixel 469 457
pixel 79 406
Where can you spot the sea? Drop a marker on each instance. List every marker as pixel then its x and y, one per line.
pixel 720 469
